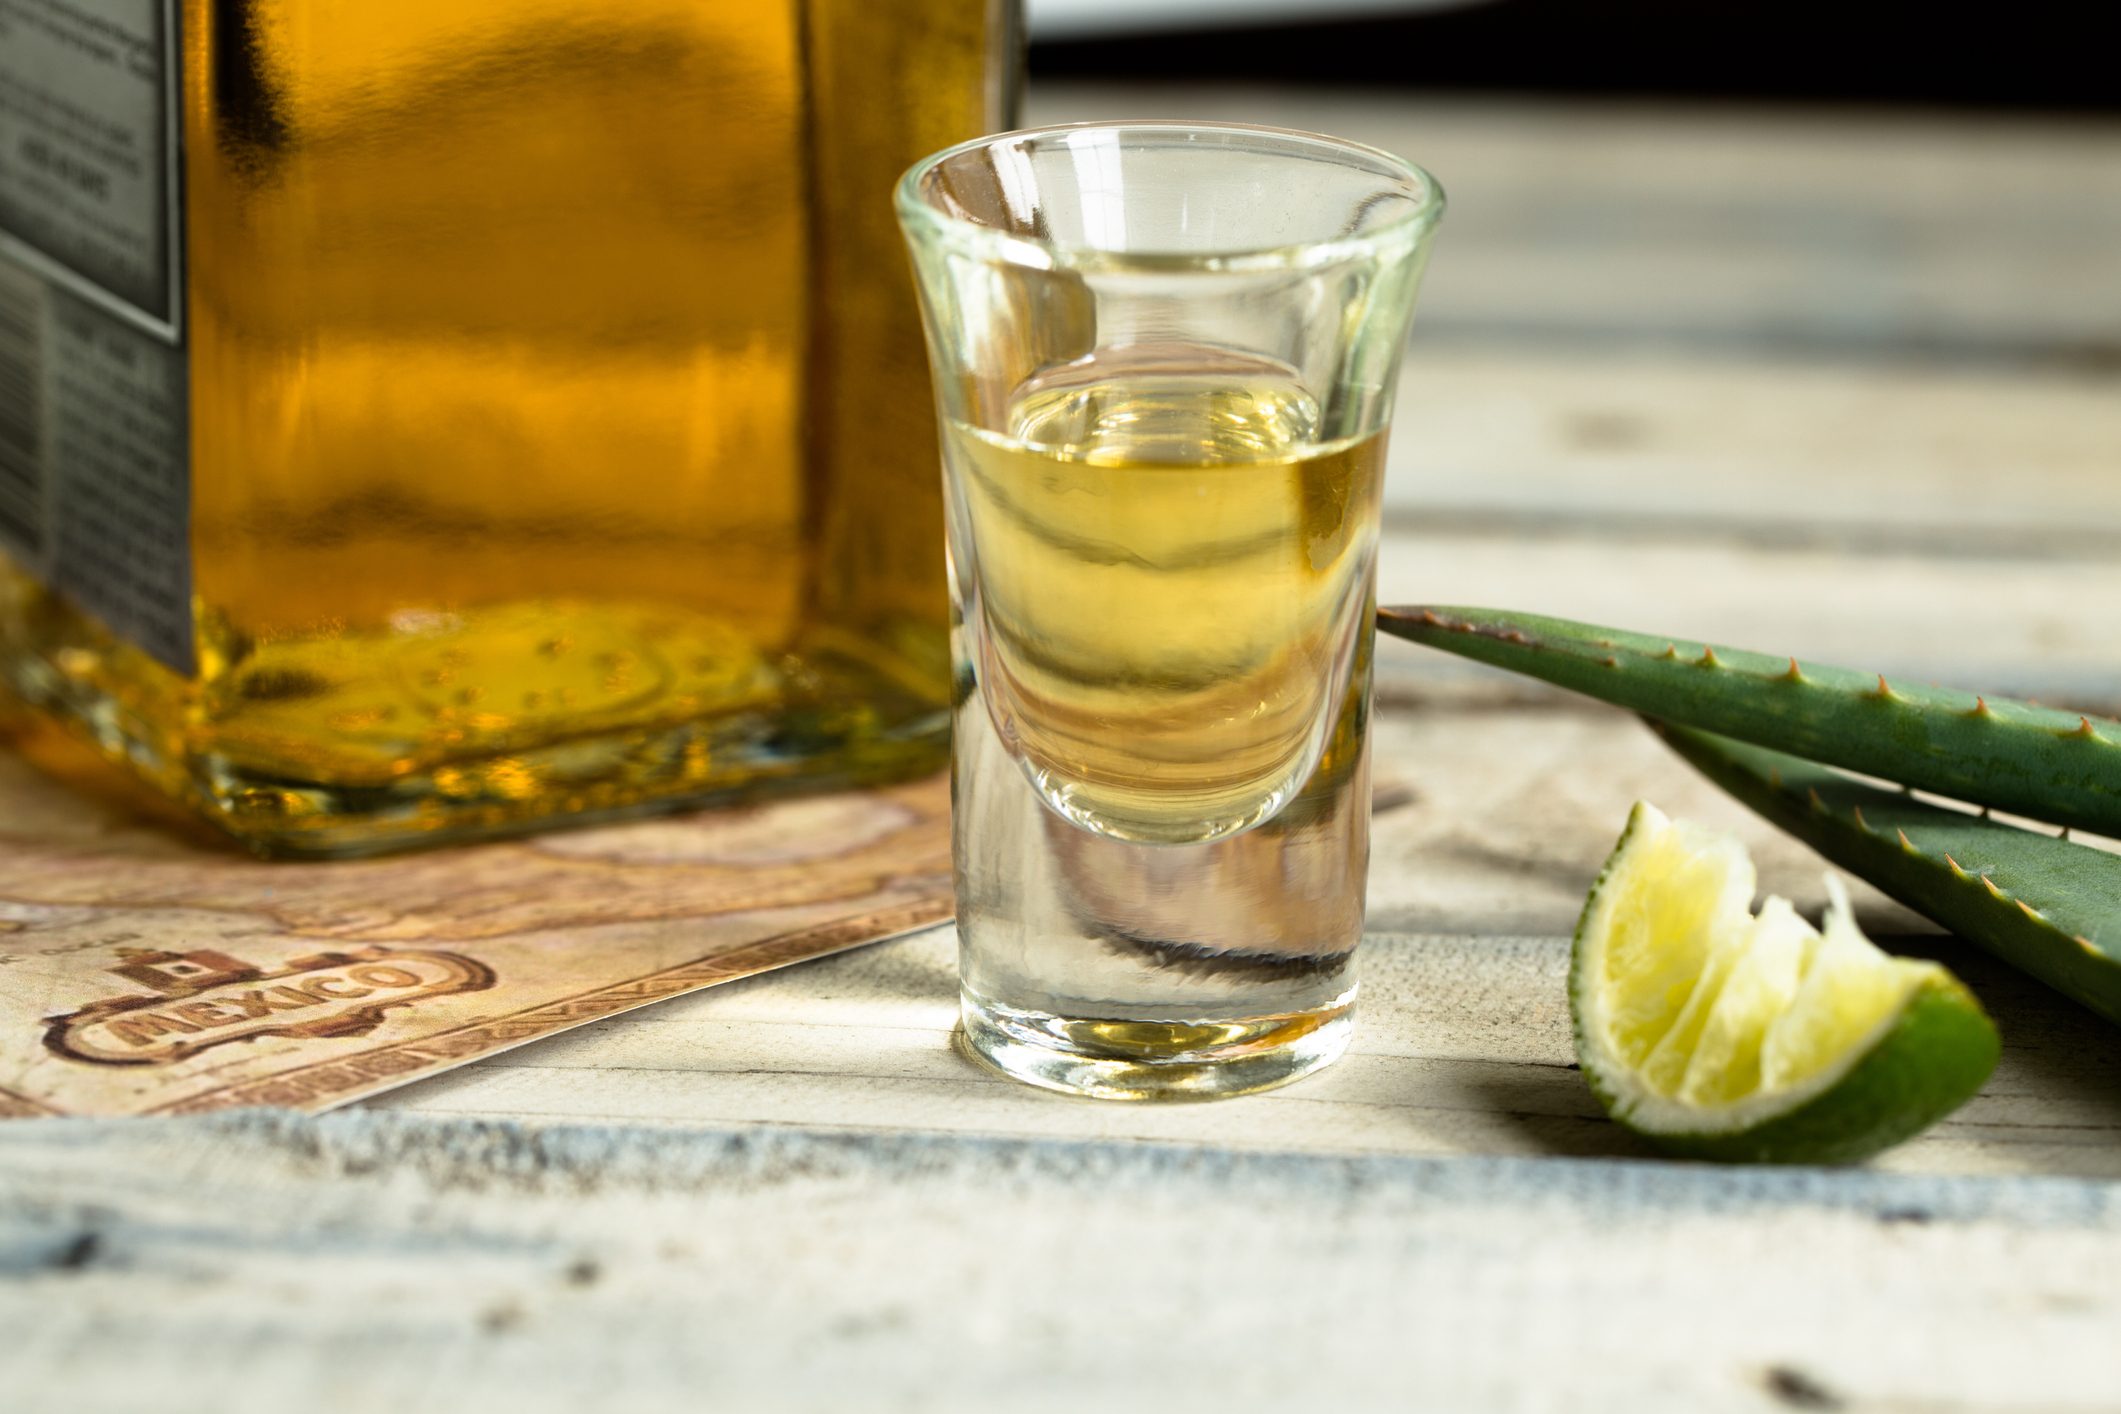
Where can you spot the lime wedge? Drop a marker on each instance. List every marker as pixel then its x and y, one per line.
pixel 1719 1033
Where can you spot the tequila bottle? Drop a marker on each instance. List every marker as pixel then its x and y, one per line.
pixel 429 418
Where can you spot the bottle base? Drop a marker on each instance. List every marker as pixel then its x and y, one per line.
pixel 594 779
pixel 590 778
pixel 1153 1060
pixel 488 722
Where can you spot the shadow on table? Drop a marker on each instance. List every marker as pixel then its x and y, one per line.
pixel 1579 1136
pixel 1557 1115
pixel 2054 1088
pixel 2052 1047
pixel 71 792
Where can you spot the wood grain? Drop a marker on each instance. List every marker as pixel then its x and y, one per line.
pixel 1902 455
pixel 380 1262
pixel 1584 224
pixel 2034 627
pixel 1463 1041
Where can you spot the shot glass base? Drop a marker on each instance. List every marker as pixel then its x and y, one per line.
pixel 1153 1060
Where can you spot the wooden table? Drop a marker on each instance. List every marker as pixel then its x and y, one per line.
pixel 1847 386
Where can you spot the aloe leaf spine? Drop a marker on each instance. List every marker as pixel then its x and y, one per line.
pixel 2030 760
pixel 2047 906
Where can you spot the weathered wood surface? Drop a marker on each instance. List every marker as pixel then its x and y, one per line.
pixel 1896 455
pixel 1841 386
pixel 1838 385
pixel 1981 237
pixel 2036 627
pixel 365 1262
pixel 1463 1045
pixel 1779 382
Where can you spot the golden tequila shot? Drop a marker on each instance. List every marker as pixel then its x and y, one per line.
pixel 1164 357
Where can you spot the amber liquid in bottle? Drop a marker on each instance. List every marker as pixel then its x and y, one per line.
pixel 560 437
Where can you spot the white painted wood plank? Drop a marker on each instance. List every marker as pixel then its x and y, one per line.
pixel 376 1262
pixel 1492 1075
pixel 1586 220
pixel 1979 462
pixel 1579 439
pixel 1463 1044
pixel 2031 627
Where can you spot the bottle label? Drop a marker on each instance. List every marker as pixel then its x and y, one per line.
pixel 95 460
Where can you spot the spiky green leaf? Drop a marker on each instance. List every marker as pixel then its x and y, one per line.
pixel 2048 906
pixel 2016 756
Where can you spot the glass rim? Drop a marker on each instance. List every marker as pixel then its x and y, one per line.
pixel 915 210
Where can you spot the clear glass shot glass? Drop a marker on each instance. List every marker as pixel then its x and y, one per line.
pixel 1164 357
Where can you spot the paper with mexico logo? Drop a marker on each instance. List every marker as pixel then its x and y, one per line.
pixel 146 972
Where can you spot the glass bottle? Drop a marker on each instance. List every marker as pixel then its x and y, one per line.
pixel 428 418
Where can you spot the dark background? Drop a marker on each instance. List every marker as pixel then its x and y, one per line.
pixel 2043 55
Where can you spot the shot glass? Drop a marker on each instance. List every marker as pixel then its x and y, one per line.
pixel 1164 357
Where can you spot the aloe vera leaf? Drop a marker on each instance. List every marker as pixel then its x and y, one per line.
pixel 2016 756
pixel 2046 906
